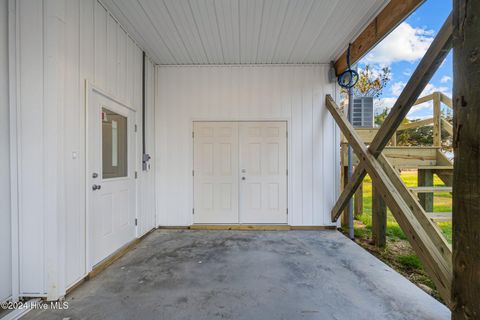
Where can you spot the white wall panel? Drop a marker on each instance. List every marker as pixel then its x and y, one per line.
pixel 31 147
pixel 295 93
pixel 5 211
pixel 82 41
pixel 146 197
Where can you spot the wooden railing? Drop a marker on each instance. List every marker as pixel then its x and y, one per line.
pixel 438 122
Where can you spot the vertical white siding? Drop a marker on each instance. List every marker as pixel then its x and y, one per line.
pixel 31 146
pixel 5 212
pixel 146 196
pixel 295 93
pixel 60 45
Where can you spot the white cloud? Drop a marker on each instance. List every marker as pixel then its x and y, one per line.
pixel 445 79
pixel 420 111
pixel 431 88
pixel 405 43
pixel 382 103
pixel 397 88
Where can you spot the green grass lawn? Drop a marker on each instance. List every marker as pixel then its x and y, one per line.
pixel 442 202
pixel 398 253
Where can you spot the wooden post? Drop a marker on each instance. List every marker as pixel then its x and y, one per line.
pixel 425 179
pixel 466 177
pixel 345 212
pixel 437 120
pixel 359 201
pixel 394 140
pixel 379 218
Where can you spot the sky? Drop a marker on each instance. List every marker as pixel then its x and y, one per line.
pixel 402 51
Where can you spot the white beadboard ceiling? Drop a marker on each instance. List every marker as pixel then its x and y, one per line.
pixel 190 32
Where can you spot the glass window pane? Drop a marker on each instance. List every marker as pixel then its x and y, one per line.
pixel 114 145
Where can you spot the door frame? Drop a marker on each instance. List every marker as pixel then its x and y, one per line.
pixel 89 89
pixel 288 143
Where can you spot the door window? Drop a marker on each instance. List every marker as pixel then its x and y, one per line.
pixel 114 145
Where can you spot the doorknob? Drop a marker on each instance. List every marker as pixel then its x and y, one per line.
pixel 94 175
pixel 243 178
pixel 96 187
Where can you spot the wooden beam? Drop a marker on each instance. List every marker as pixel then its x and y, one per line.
pixel 446 100
pixel 423 235
pixel 387 20
pixel 430 62
pixel 447 126
pixel 379 218
pixel 446 175
pixel 342 201
pixel 437 120
pixel 359 201
pixel 344 220
pixel 430 189
pixel 416 124
pixel 466 143
pixel 425 179
pixel 424 99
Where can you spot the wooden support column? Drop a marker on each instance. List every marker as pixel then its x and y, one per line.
pixel 345 212
pixel 379 218
pixel 437 120
pixel 466 177
pixel 359 201
pixel 425 179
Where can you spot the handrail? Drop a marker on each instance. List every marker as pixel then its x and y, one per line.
pixel 437 120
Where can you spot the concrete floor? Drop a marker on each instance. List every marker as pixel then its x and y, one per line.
pixel 248 275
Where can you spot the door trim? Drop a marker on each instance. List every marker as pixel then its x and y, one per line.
pixel 288 143
pixel 89 89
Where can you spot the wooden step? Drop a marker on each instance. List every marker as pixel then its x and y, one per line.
pixel 430 189
pixel 440 216
pixel 425 167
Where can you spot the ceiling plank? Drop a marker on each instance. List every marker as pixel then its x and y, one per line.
pixel 390 17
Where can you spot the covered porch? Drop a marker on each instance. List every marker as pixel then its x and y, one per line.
pixel 226 274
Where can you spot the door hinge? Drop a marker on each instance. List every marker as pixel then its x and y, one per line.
pixel 136 174
pixel 287 211
pixel 136 221
pixel 286 134
pixel 193 134
pixel 193 210
pixel 193 173
pixel 287 172
pixel 136 128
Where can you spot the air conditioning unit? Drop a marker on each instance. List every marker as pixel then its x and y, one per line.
pixel 363 112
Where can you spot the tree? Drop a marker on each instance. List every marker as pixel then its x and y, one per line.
pixel 371 82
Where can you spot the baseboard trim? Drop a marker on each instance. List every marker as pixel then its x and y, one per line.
pixel 242 227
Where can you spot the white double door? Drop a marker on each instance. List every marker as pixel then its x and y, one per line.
pixel 240 172
pixel 111 176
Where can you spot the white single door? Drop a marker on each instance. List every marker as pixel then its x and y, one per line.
pixel 111 181
pixel 215 172
pixel 263 172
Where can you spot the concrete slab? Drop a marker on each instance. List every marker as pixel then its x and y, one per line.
pixel 248 275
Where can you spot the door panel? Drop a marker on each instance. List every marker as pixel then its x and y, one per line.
pixel 111 163
pixel 216 172
pixel 263 170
